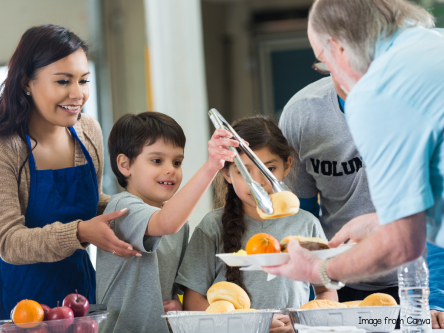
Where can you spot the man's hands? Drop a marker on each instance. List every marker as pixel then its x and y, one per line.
pixel 281 324
pixel 97 232
pixel 357 229
pixel 218 149
pixel 437 319
pixel 302 266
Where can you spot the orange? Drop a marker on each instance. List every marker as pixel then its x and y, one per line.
pixel 263 243
pixel 27 314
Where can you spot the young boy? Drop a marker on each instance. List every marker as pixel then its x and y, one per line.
pixel 146 152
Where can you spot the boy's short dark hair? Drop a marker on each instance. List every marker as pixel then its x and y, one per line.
pixel 132 132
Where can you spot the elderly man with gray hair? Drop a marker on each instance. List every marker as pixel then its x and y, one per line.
pixel 388 57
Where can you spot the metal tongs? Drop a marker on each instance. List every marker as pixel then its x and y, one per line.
pixel 260 196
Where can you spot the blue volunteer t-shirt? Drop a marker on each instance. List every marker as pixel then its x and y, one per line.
pixel 396 116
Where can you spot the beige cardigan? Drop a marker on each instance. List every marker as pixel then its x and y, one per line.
pixel 56 241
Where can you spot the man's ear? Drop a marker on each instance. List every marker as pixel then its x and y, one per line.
pixel 287 166
pixel 226 175
pixel 123 163
pixel 336 46
pixel 339 52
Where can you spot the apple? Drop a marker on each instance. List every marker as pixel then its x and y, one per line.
pixel 58 313
pixel 46 309
pixel 42 328
pixel 85 325
pixel 78 303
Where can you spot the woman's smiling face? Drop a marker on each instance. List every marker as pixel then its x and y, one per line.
pixel 60 90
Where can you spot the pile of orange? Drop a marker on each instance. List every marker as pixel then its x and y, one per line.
pixel 27 314
pixel 263 243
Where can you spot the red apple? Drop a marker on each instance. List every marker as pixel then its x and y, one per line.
pixel 78 303
pixel 85 325
pixel 46 309
pixel 42 328
pixel 58 313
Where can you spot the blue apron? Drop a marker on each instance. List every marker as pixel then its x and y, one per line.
pixel 63 195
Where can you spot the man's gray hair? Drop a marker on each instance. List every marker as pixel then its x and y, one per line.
pixel 359 24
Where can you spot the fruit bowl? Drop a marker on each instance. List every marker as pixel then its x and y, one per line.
pixel 87 324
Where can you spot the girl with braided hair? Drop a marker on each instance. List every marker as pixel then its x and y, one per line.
pixel 227 230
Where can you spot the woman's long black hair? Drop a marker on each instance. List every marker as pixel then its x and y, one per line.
pixel 259 132
pixel 39 47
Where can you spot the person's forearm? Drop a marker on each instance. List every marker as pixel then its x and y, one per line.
pixel 54 242
pixel 193 301
pixel 324 293
pixel 178 209
pixel 392 245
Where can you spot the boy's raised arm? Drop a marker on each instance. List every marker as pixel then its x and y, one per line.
pixel 178 209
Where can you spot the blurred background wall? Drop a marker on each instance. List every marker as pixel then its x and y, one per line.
pixel 182 57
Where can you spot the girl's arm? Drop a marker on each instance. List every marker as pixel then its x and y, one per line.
pixel 193 301
pixel 178 209
pixel 324 293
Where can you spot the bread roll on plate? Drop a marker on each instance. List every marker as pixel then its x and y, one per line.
pixel 227 291
pixel 309 243
pixel 220 307
pixel 322 304
pixel 284 203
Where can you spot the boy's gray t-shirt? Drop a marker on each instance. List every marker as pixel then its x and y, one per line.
pixel 131 287
pixel 170 255
pixel 200 267
pixel 328 162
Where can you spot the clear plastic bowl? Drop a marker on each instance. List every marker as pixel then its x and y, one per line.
pixel 76 325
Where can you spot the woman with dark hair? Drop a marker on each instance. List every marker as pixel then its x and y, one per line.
pixel 51 164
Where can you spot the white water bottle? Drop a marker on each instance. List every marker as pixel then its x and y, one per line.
pixel 413 279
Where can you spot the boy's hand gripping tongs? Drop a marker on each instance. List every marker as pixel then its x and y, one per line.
pixel 259 195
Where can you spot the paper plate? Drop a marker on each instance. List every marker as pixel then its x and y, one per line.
pixel 275 259
pixel 234 260
pixel 268 259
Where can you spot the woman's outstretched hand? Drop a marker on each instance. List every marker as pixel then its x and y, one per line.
pixel 97 231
